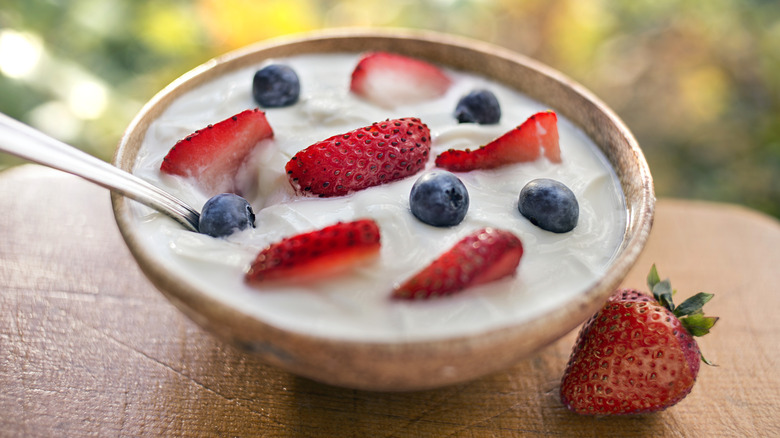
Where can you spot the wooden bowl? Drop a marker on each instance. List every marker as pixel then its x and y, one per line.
pixel 408 365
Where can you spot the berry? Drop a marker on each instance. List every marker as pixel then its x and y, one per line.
pixel 312 255
pixel 276 86
pixel 224 214
pixel 439 198
pixel 637 354
pixel 389 80
pixel 213 155
pixel 537 136
pixel 549 205
pixel 369 156
pixel 481 257
pixel 479 106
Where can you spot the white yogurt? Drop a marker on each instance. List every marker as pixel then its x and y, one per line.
pixel 357 306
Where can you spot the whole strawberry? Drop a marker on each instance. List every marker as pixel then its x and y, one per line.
pixel 637 354
pixel 369 156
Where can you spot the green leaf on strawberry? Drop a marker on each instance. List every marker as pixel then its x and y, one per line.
pixel 693 304
pixel 661 289
pixel 698 324
pixel 689 313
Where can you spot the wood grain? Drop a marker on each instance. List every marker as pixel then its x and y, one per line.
pixel 90 348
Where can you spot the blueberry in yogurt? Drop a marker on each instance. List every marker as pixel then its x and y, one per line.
pixel 275 86
pixel 439 198
pixel 550 205
pixel 479 106
pixel 224 214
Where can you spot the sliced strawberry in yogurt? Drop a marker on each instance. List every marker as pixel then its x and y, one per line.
pixel 388 79
pixel 536 137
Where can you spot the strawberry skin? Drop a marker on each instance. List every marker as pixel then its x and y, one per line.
pixel 635 355
pixel 366 157
pixel 389 79
pixel 481 257
pixel 535 137
pixel 213 155
pixel 315 254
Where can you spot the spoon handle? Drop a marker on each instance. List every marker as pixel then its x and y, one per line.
pixel 25 142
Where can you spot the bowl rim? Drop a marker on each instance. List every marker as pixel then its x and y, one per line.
pixel 244 329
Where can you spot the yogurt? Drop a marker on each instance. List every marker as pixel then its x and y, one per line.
pixel 357 306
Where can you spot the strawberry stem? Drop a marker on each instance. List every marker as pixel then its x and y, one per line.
pixel 705 360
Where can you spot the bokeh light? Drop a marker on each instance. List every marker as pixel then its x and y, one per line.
pixel 697 81
pixel 19 53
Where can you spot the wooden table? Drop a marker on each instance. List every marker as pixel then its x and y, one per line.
pixel 89 347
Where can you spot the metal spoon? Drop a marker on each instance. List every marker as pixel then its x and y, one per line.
pixel 18 139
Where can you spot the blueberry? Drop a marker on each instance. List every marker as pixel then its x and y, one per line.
pixel 479 106
pixel 276 86
pixel 550 205
pixel 439 198
pixel 224 214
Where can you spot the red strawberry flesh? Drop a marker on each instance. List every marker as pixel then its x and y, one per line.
pixel 366 157
pixel 389 79
pixel 534 138
pixel 481 257
pixel 213 155
pixel 316 254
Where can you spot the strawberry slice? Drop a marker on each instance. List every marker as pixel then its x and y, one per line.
pixel 537 136
pixel 366 157
pixel 213 155
pixel 481 257
pixel 315 254
pixel 389 79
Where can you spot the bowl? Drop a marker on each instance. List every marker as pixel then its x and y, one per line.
pixel 406 363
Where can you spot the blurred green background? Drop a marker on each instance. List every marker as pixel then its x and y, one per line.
pixel 697 81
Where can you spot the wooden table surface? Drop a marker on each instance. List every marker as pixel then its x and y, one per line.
pixel 89 347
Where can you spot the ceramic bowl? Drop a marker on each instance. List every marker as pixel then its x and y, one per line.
pixel 405 365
